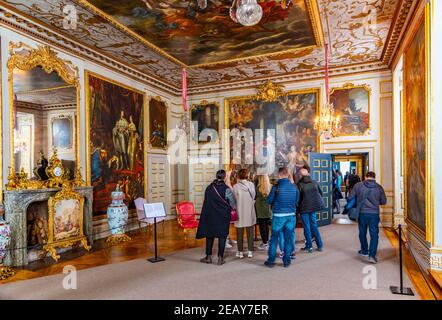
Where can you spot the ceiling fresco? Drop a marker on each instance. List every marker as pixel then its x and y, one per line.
pixel 357 31
pixel 195 36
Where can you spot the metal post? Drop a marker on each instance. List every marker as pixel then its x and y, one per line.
pixel 156 258
pixel 401 290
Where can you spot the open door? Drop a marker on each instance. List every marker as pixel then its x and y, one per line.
pixel 321 171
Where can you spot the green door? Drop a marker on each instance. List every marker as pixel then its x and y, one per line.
pixel 321 171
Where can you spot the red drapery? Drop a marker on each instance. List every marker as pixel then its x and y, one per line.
pixel 184 81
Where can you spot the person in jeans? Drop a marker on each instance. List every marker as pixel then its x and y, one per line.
pixel 244 192
pixel 283 198
pixel 374 196
pixel 310 202
pixel 263 212
pixel 215 216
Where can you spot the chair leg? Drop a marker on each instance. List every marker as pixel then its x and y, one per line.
pixel 185 234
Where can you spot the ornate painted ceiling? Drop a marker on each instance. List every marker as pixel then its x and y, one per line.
pixel 357 31
pixel 195 36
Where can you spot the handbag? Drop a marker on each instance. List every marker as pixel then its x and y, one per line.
pixel 233 212
pixel 353 213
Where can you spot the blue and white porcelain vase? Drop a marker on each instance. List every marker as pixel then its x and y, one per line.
pixel 5 240
pixel 117 216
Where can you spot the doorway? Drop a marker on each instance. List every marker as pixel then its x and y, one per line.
pixel 344 165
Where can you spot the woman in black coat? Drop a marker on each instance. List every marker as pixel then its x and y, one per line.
pixel 215 216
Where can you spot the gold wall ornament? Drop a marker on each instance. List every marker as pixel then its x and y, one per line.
pixel 12 180
pixel 78 179
pixel 269 92
pixel 25 58
pixel 65 221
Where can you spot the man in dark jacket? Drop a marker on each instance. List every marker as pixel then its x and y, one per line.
pixel 310 203
pixel 353 178
pixel 374 196
pixel 283 199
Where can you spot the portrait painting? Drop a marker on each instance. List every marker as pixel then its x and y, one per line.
pixel 291 118
pixel 62 132
pixel 157 123
pixel 67 219
pixel 205 121
pixel 116 141
pixel 352 104
pixel 196 35
pixel 415 113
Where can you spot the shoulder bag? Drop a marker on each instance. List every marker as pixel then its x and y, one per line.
pixel 233 212
pixel 353 213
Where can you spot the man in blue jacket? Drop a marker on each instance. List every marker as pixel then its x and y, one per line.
pixel 283 199
pixel 373 195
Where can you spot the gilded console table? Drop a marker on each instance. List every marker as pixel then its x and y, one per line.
pixel 16 204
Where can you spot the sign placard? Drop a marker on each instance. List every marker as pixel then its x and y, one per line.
pixel 154 210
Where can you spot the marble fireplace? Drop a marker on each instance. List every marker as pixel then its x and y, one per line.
pixel 16 204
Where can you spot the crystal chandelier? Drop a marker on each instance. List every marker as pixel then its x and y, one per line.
pixel 327 123
pixel 246 12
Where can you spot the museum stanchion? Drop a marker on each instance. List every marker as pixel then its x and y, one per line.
pixel 401 290
pixel 156 258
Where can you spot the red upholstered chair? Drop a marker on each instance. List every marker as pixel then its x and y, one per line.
pixel 187 216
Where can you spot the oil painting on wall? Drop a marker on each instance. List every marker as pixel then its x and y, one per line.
pixel 116 142
pixel 198 36
pixel 352 103
pixel 292 119
pixel 415 129
pixel 157 123
pixel 205 120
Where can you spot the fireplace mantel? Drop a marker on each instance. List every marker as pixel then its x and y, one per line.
pixel 16 204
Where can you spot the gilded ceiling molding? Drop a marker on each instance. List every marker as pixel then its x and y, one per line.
pixel 25 26
pixel 397 30
pixel 375 66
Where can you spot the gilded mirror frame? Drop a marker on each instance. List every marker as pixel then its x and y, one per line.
pixel 26 58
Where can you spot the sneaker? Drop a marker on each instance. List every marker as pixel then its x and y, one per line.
pixel 321 249
pixel 362 253
pixel 228 245
pixel 250 254
pixel 269 264
pixel 293 256
pixel 233 241
pixel 281 254
pixel 373 260
pixel 286 265
pixel 239 254
pixel 263 246
pixel 307 250
pixel 221 261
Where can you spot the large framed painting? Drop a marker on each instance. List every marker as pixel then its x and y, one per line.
pixel 290 116
pixel 415 129
pixel 352 104
pixel 65 223
pixel 157 136
pixel 205 122
pixel 116 141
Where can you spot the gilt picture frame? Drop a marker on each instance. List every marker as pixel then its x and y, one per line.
pixel 65 221
pixel 204 118
pixel 157 123
pixel 352 103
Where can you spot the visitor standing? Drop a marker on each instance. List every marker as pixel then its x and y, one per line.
pixel 346 183
pixel 283 198
pixel 310 202
pixel 263 212
pixel 371 195
pixel 244 192
pixel 215 216
pixel 353 178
